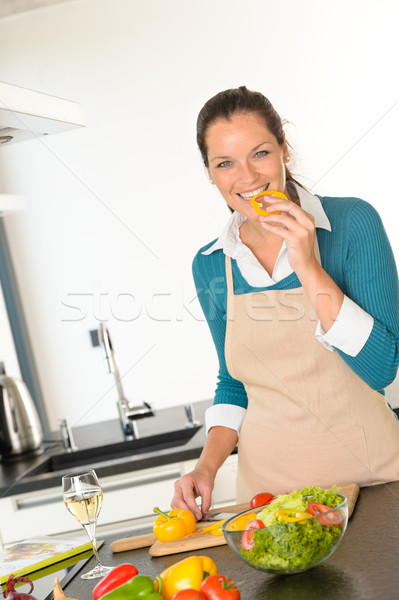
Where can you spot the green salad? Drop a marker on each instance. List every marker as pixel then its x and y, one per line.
pixel 293 546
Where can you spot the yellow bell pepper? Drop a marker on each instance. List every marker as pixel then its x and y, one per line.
pixel 289 515
pixel 177 524
pixel 188 573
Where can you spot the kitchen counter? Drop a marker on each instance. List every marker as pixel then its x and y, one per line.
pixel 20 475
pixel 364 566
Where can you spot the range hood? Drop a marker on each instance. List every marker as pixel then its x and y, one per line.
pixel 25 114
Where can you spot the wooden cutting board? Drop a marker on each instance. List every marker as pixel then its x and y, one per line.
pixel 201 539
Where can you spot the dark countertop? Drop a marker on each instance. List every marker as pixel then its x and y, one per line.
pixel 364 566
pixel 27 473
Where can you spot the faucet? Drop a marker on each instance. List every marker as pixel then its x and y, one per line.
pixel 66 435
pixel 128 414
pixel 190 414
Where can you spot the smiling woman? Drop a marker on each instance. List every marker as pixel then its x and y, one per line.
pixel 306 326
pixel 253 159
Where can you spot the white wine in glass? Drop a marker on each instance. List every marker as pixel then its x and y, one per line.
pixel 83 498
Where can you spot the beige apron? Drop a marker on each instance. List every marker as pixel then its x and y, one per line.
pixel 310 419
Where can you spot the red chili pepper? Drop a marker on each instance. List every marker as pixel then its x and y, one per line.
pixel 115 578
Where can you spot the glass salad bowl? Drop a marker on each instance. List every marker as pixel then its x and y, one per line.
pixel 294 542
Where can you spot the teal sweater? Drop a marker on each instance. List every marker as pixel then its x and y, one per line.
pixel 357 255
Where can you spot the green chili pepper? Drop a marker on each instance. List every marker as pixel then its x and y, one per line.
pixel 140 587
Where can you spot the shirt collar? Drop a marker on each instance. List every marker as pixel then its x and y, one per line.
pixel 229 241
pixel 312 205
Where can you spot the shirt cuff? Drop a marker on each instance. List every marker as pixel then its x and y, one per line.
pixel 350 331
pixel 224 415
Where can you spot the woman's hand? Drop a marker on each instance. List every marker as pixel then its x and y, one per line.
pixel 198 482
pixel 297 228
pixel 219 444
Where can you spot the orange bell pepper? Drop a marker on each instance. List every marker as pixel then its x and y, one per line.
pixel 177 524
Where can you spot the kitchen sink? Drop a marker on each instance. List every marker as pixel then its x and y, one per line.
pixel 98 455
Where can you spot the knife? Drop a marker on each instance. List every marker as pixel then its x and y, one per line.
pixel 218 516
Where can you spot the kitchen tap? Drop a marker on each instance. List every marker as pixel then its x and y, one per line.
pixel 128 414
pixel 190 414
pixel 66 435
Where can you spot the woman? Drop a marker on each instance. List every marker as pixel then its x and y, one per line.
pixel 303 310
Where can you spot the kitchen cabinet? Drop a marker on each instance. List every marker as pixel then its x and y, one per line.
pixel 128 497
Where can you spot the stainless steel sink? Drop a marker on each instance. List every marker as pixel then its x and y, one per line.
pixel 112 452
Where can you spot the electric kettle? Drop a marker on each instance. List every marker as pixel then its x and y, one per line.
pixel 20 429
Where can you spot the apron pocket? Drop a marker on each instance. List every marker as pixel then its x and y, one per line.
pixel 280 461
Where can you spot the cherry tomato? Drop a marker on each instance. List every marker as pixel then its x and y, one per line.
pixel 247 538
pixel 326 518
pixel 260 499
pixel 220 587
pixel 188 594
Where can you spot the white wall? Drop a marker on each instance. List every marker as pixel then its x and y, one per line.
pixel 119 209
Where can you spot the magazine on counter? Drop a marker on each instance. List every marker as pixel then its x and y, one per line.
pixel 30 555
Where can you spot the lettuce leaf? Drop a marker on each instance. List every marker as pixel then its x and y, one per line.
pixel 327 497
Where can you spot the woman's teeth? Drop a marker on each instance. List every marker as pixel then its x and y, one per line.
pixel 249 195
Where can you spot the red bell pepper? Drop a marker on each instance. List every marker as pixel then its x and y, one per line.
pixel 115 578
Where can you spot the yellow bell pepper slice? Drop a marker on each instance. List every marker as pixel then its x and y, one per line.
pixel 188 573
pixel 288 515
pixel 240 523
pixel 214 526
pixel 177 524
pixel 258 205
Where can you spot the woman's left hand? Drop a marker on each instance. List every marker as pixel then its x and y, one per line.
pixel 297 228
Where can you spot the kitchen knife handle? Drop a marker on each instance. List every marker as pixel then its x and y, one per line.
pixel 132 543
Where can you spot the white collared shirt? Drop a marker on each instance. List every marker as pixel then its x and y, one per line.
pixel 349 332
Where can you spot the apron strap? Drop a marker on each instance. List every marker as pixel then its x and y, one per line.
pixel 230 288
pixel 229 274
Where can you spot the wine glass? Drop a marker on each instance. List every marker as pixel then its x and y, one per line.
pixel 83 497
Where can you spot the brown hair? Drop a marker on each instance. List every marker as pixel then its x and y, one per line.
pixel 234 101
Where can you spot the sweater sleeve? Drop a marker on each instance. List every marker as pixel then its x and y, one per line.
pixel 371 280
pixel 212 295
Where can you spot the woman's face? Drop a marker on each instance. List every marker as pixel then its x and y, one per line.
pixel 245 159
